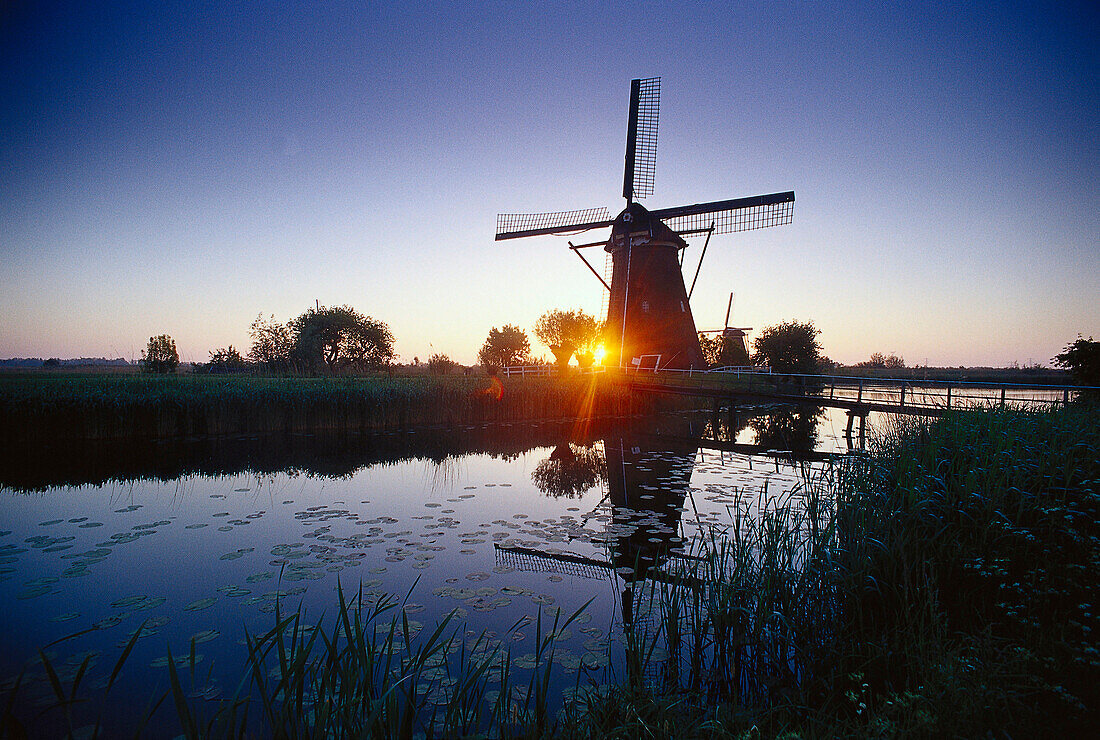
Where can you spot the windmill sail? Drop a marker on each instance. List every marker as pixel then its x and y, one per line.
pixel 516 225
pixel 641 138
pixel 728 216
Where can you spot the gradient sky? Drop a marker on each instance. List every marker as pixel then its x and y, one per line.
pixel 182 167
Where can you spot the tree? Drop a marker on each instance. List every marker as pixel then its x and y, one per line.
pixel 271 343
pixel 790 347
pixel 877 360
pixel 880 360
pixel 160 355
pixel 720 350
pixel 504 347
pixel 441 365
pixel 226 360
pixel 1082 359
pixel 340 337
pixel 567 331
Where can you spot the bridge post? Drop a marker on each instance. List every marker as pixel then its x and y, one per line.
pixel 949 397
pixel 903 395
pixel 1002 397
pixel 1065 398
pixel 859 396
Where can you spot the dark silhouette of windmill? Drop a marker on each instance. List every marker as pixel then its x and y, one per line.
pixel 733 340
pixel 649 321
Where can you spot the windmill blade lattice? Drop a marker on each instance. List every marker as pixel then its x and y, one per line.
pixel 516 225
pixel 641 138
pixel 728 216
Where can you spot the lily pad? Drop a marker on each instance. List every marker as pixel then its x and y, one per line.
pixel 198 604
pixel 127 601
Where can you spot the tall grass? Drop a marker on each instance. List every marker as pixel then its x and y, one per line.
pixel 972 549
pixel 49 407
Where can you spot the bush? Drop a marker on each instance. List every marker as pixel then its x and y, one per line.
pixel 439 364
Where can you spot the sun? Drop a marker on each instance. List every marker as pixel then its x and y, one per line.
pixel 599 354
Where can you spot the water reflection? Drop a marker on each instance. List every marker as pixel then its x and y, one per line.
pixel 649 479
pixel 570 470
pixel 502 530
pixel 793 429
pixel 333 455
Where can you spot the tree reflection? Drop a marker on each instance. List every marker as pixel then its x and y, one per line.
pixel 570 471
pixel 788 429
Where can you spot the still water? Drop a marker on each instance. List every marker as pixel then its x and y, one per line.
pixel 198 540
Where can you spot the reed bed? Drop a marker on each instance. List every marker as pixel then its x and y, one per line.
pixel 50 407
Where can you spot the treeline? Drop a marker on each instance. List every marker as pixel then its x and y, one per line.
pixel 323 340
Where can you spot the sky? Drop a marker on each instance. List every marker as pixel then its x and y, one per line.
pixel 181 168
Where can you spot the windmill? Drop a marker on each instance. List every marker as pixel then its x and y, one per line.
pixel 649 321
pixel 733 339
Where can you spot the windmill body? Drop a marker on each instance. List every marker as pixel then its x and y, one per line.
pixel 648 314
pixel 649 322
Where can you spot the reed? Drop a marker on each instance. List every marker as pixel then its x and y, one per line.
pixel 50 407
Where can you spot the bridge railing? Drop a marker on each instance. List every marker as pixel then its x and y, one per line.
pixel 735 371
pixel 545 371
pixel 934 394
pixel 908 394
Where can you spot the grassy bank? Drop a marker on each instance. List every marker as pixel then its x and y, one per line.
pixel 950 593
pixel 40 407
pixel 942 586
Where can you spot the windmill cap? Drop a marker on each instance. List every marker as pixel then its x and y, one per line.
pixel 636 219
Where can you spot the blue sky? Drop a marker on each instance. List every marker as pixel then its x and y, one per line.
pixel 181 169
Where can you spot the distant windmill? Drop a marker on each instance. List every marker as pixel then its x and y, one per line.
pixel 648 319
pixel 733 338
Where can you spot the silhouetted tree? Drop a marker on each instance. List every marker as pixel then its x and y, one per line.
pixel 340 337
pixel 223 361
pixel 880 360
pixel 271 343
pixel 790 347
pixel 567 331
pixel 1082 359
pixel 441 365
pixel 160 355
pixel 504 347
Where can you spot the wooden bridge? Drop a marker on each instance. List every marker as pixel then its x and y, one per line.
pixel 858 395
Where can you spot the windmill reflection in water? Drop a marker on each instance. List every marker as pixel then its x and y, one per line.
pixel 675 589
